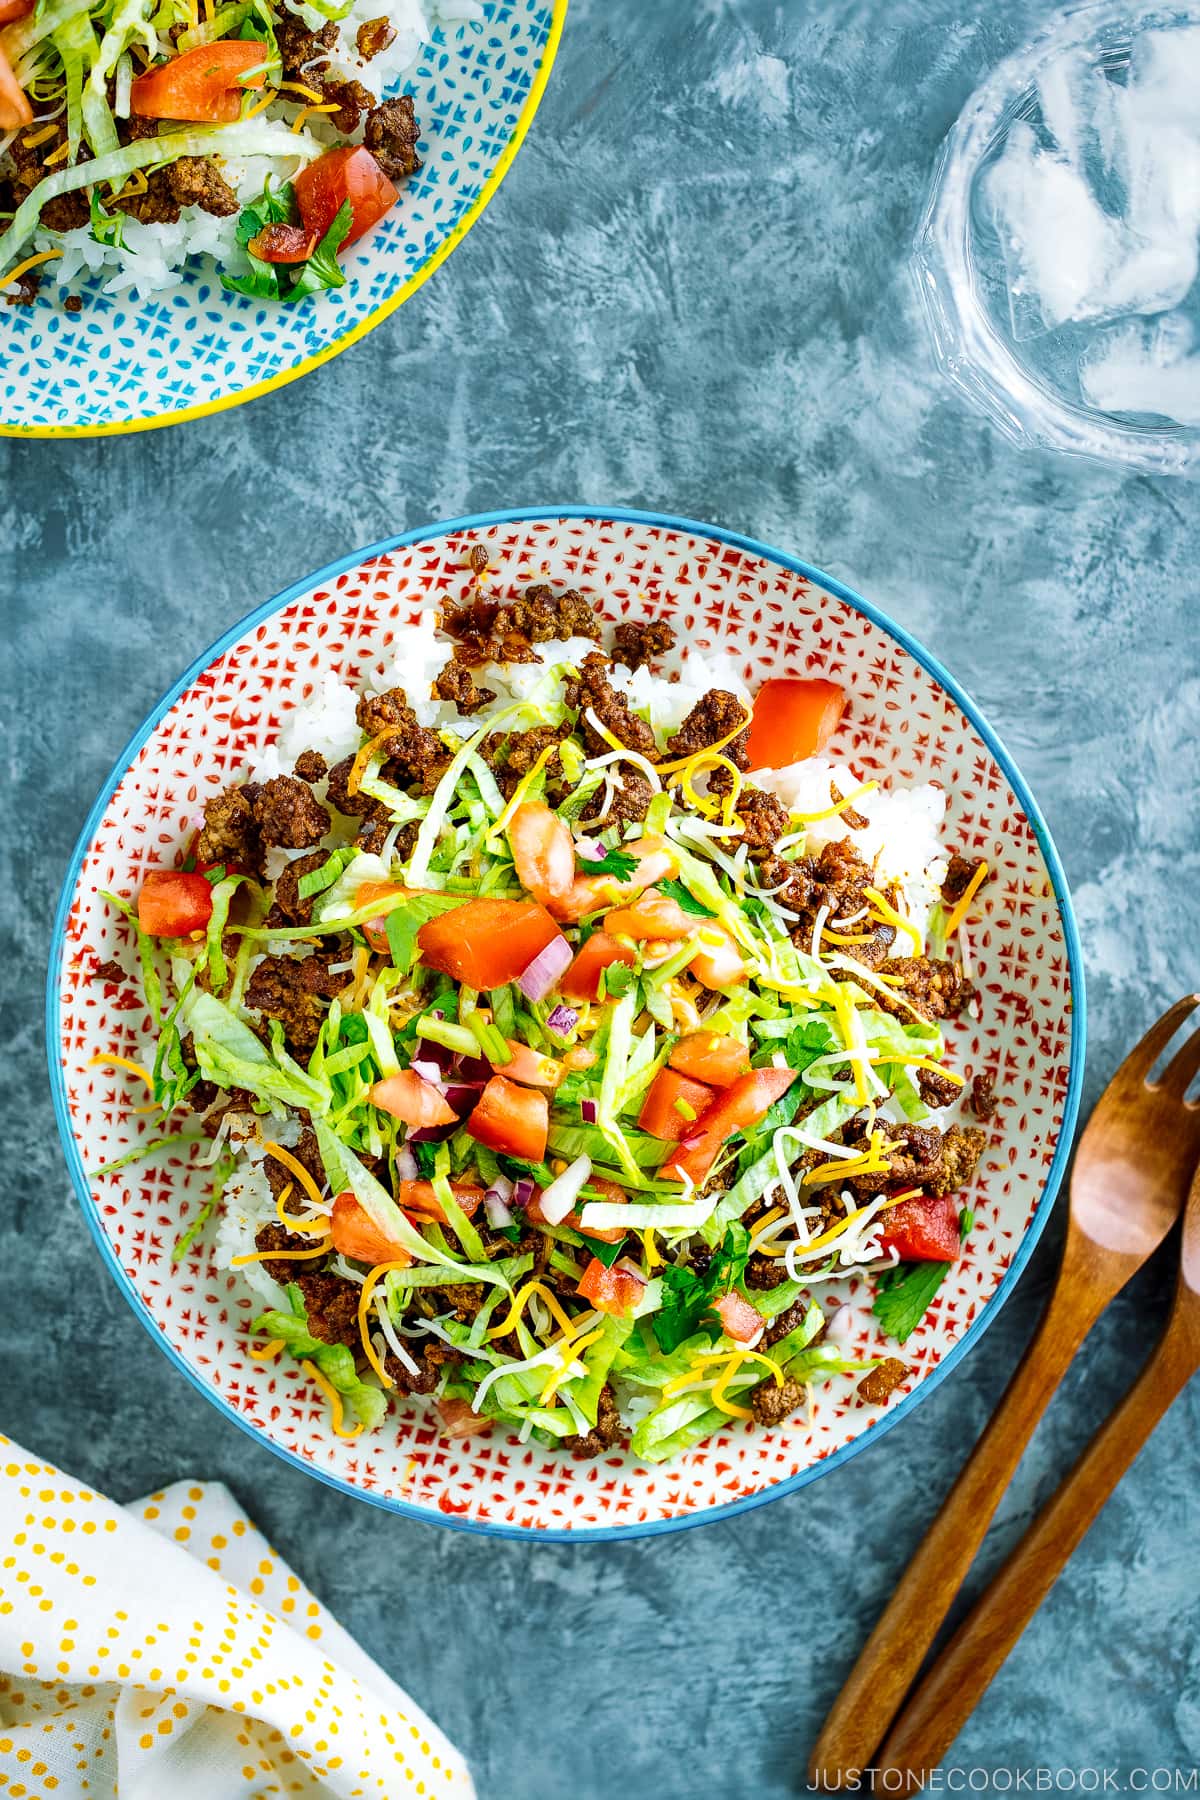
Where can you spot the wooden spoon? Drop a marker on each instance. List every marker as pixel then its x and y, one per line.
pixel 948 1695
pixel 1132 1167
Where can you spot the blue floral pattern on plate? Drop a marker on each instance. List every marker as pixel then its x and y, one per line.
pixel 125 364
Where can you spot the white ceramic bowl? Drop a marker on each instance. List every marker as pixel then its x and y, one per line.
pixel 906 720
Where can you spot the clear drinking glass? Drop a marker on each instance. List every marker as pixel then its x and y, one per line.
pixel 1063 224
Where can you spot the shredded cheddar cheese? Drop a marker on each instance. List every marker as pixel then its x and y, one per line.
pixel 123 1062
pixel 278 1154
pixel 887 912
pixel 40 137
pixel 570 1353
pixel 683 762
pixel 266 1352
pixel 969 892
pixel 519 792
pixel 520 1299
pixel 366 1294
pixel 336 1416
pixel 831 812
pixel 322 1249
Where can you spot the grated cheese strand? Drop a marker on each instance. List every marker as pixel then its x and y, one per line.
pixel 521 1297
pixel 277 1153
pixel 122 1062
pixel 336 1415
pixel 364 1310
pixel 969 892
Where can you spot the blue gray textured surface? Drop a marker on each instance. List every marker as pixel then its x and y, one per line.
pixel 690 294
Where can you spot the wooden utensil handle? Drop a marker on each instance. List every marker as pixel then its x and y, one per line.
pixel 874 1691
pixel 950 1692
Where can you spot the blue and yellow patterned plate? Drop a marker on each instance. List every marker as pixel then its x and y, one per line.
pixel 125 364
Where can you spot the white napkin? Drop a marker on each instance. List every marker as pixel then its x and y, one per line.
pixel 163 1651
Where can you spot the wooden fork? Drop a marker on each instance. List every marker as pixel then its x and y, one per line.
pixel 948 1695
pixel 1132 1167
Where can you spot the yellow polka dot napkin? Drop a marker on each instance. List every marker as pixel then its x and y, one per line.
pixel 162 1651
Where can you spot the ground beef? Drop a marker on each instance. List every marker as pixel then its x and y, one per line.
pixel 230 833
pixel 430 1357
pixel 630 802
pixel 73 303
pixel 354 806
pixel 938 990
pixel 415 754
pixel 464 1297
pixel 914 1154
pixel 771 1404
pixel 457 685
pixel 25 290
pixel 712 718
pixel 510 755
pixel 196 181
pixel 289 907
pixel 66 212
pixel 319 978
pixel 593 690
pixel 637 645
pixel 391 136
pixel 300 48
pixel 307 1152
pixel 936 1089
pixel 310 766
pixel 204 1096
pixel 959 876
pixel 278 1237
pixel 983 1100
pixel 879 1382
pixel 331 1302
pixel 605 1433
pixel 373 834
pixel 278 989
pixel 786 1321
pixel 374 37
pixel 541 615
pixel 109 971
pixel 765 1271
pixel 763 819
pixel 836 881
pixel 289 814
pixel 962 1148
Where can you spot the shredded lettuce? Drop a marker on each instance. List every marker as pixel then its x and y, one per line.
pixel 335 1361
pixel 228 1053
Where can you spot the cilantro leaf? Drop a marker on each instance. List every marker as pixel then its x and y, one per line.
pixel 288 282
pixel 106 227
pixel 684 900
pixel 613 862
pixel 426 1155
pixel 605 1253
pixel 687 1303
pixel 902 1295
pixel 617 979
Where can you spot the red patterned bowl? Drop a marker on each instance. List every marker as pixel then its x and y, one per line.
pixel 907 720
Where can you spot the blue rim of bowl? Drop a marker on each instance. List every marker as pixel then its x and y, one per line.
pixel 1025 1249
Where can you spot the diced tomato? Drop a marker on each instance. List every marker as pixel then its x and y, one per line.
pixel 661 1117
pixel 589 893
pixel 172 903
pixel 458 1419
pixel 742 1322
pixel 792 720
pixel 530 1068
pixel 15 109
pixel 543 852
pixel 281 243
pixel 352 174
pixel 206 83
pixel 710 1056
pixel 14 9
pixel 582 979
pixel 718 965
pixel 419 1197
pixel 611 1234
pixel 514 1120
pixel 923 1229
pixel 487 943
pixel 355 1234
pixel 651 916
pixel 406 1096
pixel 375 930
pixel 612 1290
pixel 748 1100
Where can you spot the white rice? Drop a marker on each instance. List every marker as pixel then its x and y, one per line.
pixel 247 1206
pixel 151 257
pixel 902 836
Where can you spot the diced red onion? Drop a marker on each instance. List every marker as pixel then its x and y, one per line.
pixel 558 1199
pixel 562 1020
pixel 428 1071
pixel 502 1186
pixel 589 1111
pixel 537 979
pixel 461 1096
pixel 437 1054
pixel 472 1070
pixel 496 1208
pixel 590 849
pixel 406 1164
pixel 631 1268
pixel 522 1193
pixel 432 1134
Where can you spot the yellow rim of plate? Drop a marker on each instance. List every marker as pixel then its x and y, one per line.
pixel 124 428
